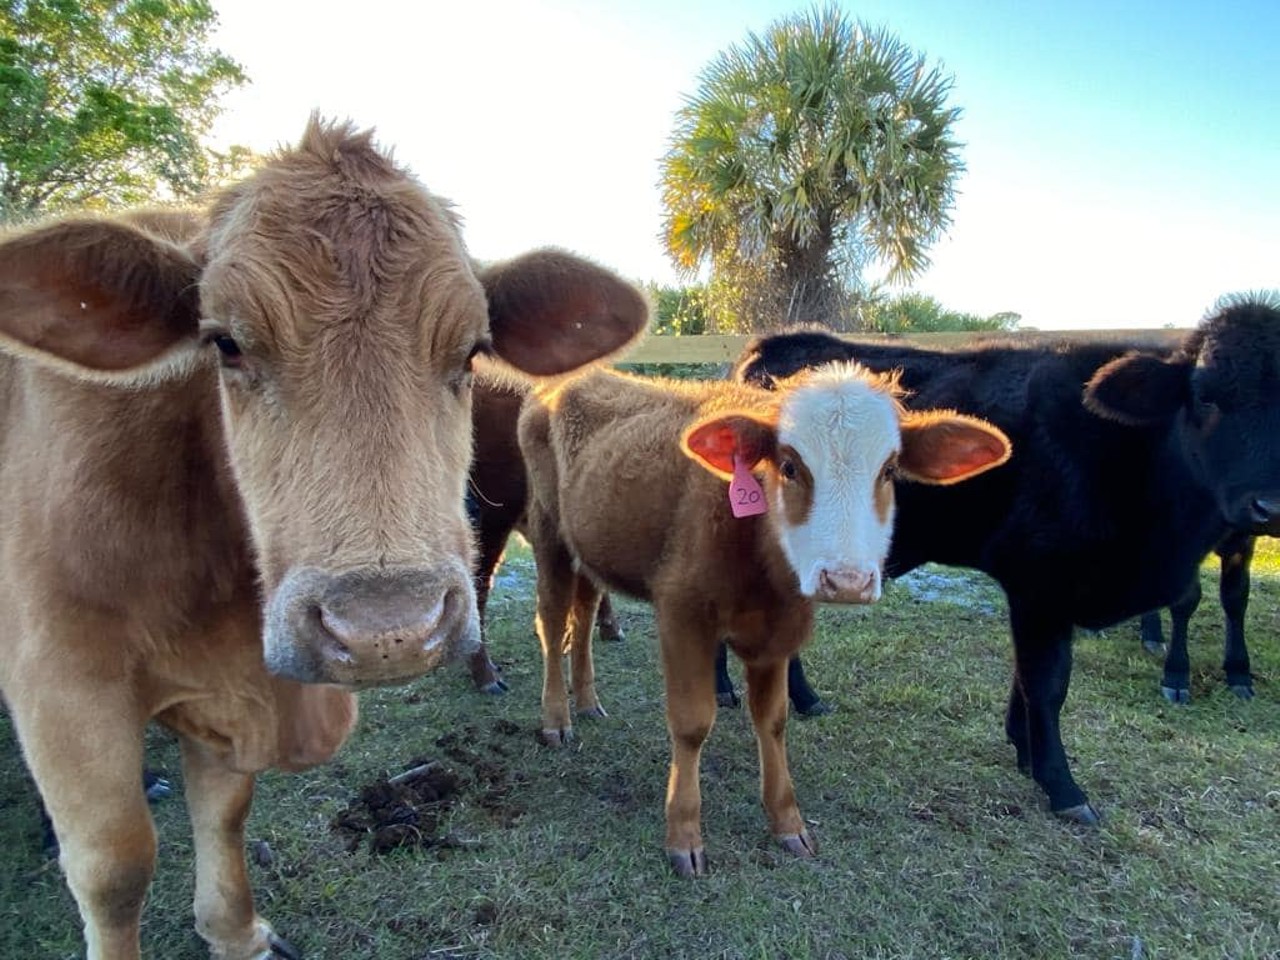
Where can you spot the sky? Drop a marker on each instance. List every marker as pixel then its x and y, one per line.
pixel 1122 156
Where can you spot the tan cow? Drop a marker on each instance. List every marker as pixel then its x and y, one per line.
pixel 627 490
pixel 243 432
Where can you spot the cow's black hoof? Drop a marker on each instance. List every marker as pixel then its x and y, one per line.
pixel 1084 814
pixel 280 947
pixel 819 708
pixel 1242 690
pixel 1176 694
pixel 496 687
pixel 729 699
pixel 1154 647
pixel 688 863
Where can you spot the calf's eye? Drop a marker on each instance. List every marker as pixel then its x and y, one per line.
pixel 787 469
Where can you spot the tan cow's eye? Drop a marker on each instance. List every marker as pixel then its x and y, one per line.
pixel 788 469
pixel 228 350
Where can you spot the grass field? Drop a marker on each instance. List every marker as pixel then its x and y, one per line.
pixel 931 844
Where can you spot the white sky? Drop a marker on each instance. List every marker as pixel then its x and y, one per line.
pixel 1123 167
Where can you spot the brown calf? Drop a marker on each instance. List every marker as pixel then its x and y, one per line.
pixel 628 490
pixel 236 436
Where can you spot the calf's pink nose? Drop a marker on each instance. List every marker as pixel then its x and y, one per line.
pixel 847 585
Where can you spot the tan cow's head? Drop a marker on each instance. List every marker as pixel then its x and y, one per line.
pixel 344 312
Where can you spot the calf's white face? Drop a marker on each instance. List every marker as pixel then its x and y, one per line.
pixel 829 446
pixel 838 444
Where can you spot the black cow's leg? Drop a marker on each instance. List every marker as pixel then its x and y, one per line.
pixel 804 699
pixel 1042 675
pixel 725 694
pixel 1150 632
pixel 1233 589
pixel 1175 685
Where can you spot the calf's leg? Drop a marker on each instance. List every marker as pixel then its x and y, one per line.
pixel 582 616
pixel 688 666
pixel 556 588
pixel 218 799
pixel 767 700
pixel 610 630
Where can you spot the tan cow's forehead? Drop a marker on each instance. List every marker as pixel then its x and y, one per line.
pixel 322 238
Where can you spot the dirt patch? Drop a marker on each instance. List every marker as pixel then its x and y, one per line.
pixel 411 808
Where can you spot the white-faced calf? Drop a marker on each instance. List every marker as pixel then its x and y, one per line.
pixel 732 509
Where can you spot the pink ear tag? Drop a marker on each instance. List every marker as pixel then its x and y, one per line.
pixel 746 498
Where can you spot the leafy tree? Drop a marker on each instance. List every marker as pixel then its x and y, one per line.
pixel 920 313
pixel 807 152
pixel 105 102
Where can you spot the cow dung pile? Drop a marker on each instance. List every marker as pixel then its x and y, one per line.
pixel 405 810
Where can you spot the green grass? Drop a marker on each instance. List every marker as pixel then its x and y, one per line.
pixel 931 844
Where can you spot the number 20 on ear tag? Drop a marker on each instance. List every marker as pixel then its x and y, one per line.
pixel 746 498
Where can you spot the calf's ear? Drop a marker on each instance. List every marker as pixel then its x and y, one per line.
pixel 1139 389
pixel 715 442
pixel 942 447
pixel 551 312
pixel 98 298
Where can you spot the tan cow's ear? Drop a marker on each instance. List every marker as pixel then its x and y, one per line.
pixel 96 296
pixel 551 312
pixel 715 442
pixel 942 447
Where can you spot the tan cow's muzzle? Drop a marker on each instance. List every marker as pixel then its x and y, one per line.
pixel 848 585
pixel 365 628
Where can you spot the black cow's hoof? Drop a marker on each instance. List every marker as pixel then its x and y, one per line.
pixel 819 708
pixel 1154 647
pixel 729 699
pixel 495 687
pixel 156 786
pixel 1242 690
pixel 1176 694
pixel 280 947
pixel 1085 814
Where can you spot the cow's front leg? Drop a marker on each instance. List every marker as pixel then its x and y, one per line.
pixel 688 662
pixel 767 699
pixel 83 743
pixel 218 799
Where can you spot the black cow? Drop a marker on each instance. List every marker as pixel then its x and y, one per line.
pixel 1128 467
pixel 1235 553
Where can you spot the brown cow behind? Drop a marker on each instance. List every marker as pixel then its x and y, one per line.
pixel 497 492
pixel 236 435
pixel 627 490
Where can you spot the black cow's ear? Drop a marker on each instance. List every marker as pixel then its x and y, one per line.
pixel 1139 389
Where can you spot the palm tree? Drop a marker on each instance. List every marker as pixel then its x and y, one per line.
pixel 807 152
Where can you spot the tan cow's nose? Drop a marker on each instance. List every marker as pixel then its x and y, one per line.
pixel 848 585
pixel 369 627
pixel 377 628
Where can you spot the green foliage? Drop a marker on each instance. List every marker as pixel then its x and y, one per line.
pixel 807 152
pixel 104 103
pixel 919 313
pixel 677 312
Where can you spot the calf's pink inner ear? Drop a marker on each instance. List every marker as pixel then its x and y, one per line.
pixel 715 442
pixel 948 448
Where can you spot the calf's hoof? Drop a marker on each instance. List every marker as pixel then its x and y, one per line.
pixel 553 737
pixel 798 844
pixel 612 633
pixel 1242 690
pixel 1082 813
pixel 727 699
pixel 596 711
pixel 688 863
pixel 1176 694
